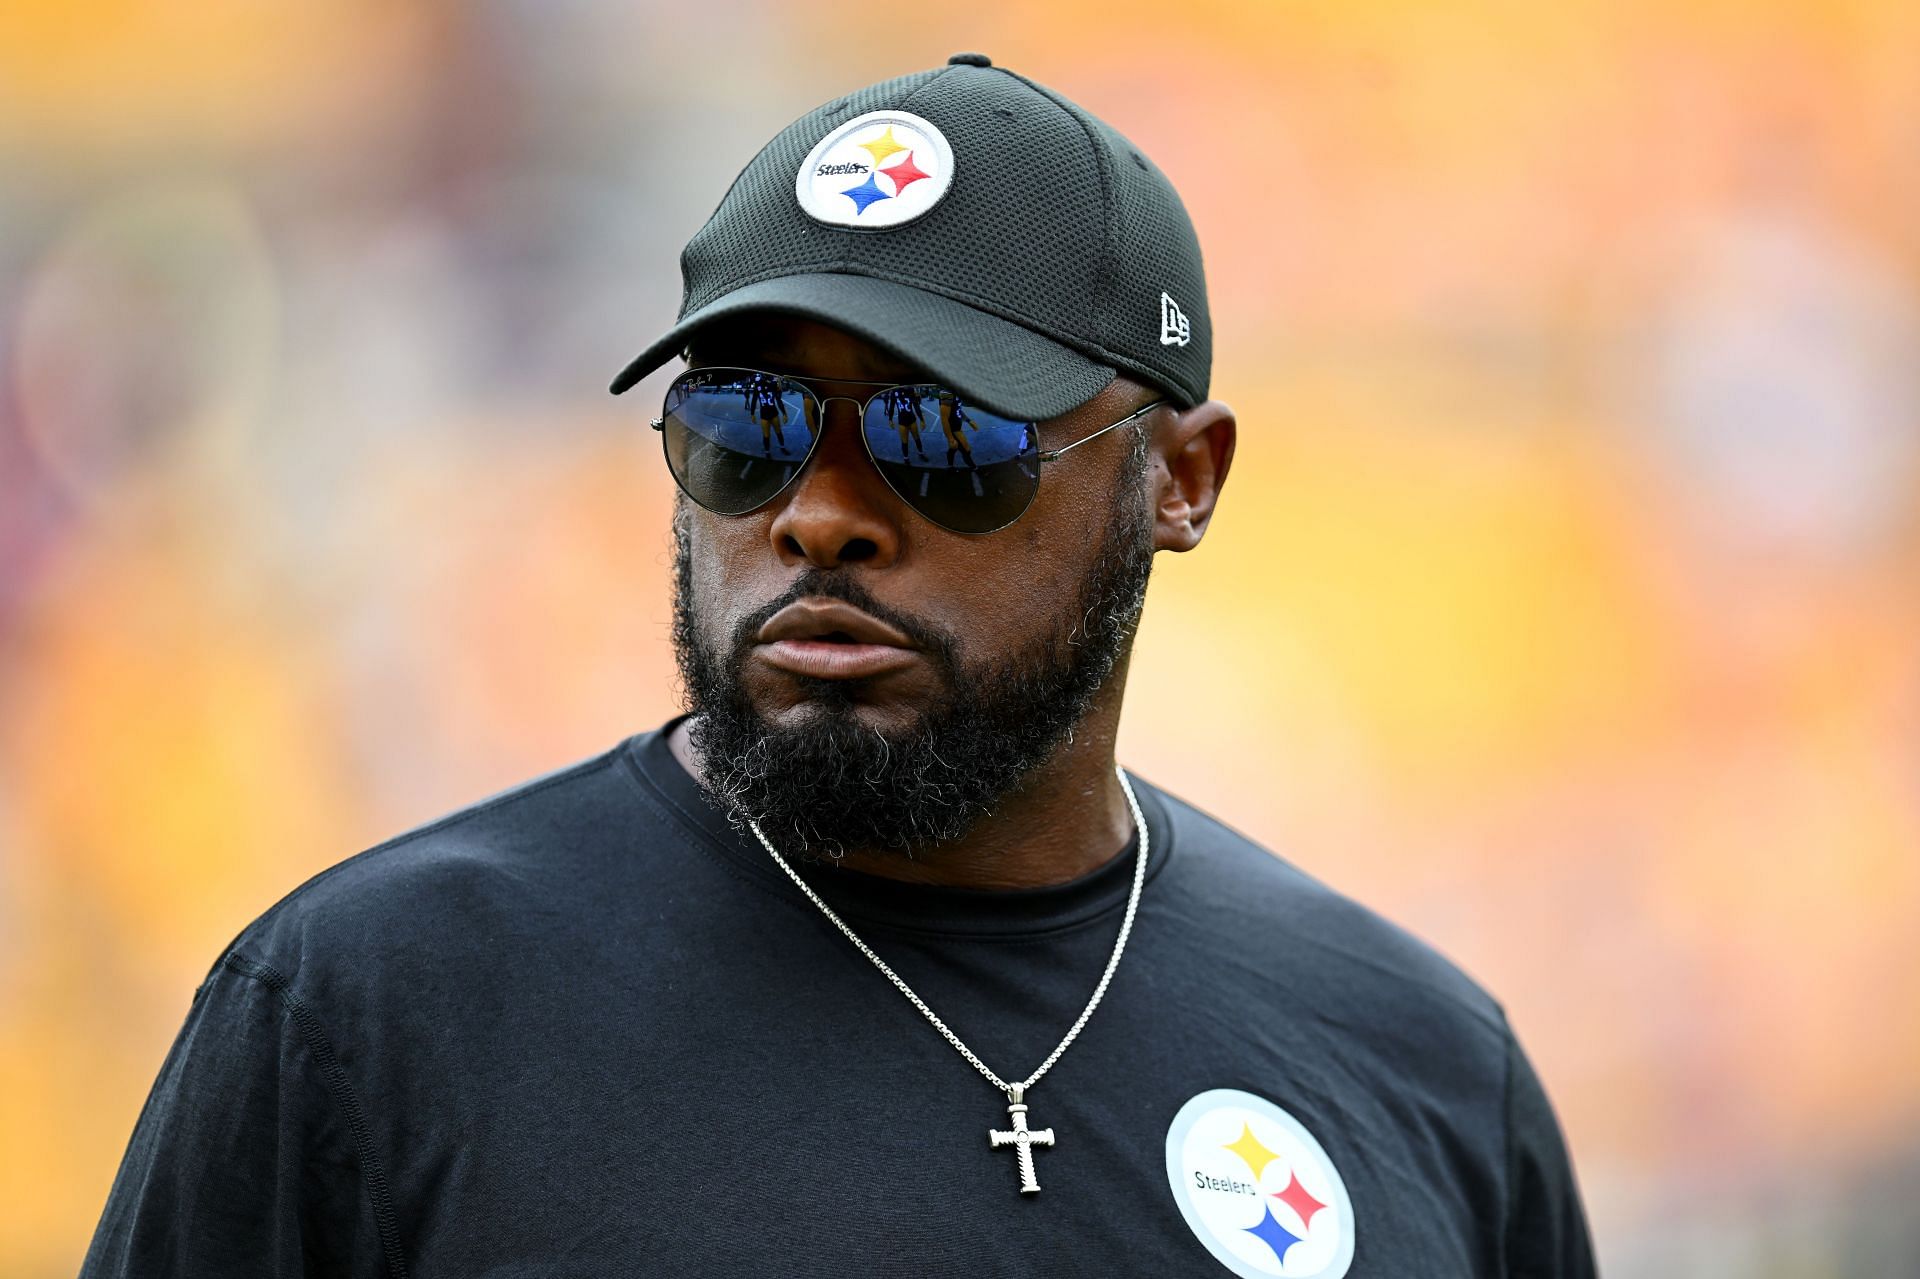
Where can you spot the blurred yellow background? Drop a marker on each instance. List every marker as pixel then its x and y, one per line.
pixel 1564 603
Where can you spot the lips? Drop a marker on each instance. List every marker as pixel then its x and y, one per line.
pixel 830 639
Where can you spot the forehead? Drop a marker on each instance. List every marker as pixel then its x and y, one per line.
pixel 792 344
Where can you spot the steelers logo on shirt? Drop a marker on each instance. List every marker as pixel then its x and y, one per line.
pixel 878 170
pixel 1257 1190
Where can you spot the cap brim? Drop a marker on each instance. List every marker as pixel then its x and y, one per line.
pixel 1003 366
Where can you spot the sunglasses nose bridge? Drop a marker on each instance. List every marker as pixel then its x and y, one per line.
pixel 823 446
pixel 825 401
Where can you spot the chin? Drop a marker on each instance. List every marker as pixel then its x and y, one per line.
pixel 815 703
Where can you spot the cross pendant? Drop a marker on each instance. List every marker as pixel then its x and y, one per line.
pixel 1022 1139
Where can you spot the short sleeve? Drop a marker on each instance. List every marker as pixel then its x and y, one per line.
pixel 1546 1236
pixel 243 1160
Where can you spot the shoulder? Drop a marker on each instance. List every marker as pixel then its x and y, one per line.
pixel 447 885
pixel 1258 902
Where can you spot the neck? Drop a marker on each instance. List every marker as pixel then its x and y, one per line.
pixel 1067 818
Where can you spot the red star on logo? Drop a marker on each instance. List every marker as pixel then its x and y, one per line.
pixel 904 172
pixel 1295 1196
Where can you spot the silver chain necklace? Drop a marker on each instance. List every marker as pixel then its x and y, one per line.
pixel 1022 1138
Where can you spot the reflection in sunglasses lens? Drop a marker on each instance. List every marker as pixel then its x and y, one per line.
pixel 959 465
pixel 734 439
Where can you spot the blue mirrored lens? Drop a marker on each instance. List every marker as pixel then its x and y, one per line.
pixel 957 464
pixel 734 438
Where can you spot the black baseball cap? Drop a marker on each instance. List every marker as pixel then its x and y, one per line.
pixel 972 223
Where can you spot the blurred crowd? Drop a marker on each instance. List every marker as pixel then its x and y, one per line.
pixel 1564 602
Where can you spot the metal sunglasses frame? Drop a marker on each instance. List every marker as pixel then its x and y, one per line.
pixel 1044 455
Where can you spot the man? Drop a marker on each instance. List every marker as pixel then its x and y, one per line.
pixel 873 962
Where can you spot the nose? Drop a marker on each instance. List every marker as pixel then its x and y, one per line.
pixel 838 510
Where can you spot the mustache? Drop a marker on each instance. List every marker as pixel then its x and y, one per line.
pixel 829 584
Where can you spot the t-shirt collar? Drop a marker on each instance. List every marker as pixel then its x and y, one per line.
pixel 892 903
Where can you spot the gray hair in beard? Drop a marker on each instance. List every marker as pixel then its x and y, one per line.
pixel 836 784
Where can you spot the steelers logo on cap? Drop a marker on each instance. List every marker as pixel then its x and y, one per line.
pixel 882 169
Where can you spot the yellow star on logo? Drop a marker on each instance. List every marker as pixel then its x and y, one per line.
pixel 883 146
pixel 1248 1147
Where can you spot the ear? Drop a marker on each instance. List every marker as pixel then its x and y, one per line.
pixel 1192 450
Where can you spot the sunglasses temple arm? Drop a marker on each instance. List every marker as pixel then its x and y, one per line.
pixel 1052 454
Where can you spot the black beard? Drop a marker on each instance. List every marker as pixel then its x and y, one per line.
pixel 836 784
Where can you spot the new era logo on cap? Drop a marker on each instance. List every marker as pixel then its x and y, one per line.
pixel 1174 328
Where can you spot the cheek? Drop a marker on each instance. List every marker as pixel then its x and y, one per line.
pixel 1037 570
pixel 1064 528
pixel 720 598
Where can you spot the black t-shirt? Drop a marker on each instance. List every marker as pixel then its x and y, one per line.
pixel 585 1027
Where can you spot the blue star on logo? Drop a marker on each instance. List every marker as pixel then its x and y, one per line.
pixel 1273 1234
pixel 864 194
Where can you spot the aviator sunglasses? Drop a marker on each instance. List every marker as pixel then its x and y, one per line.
pixel 736 438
